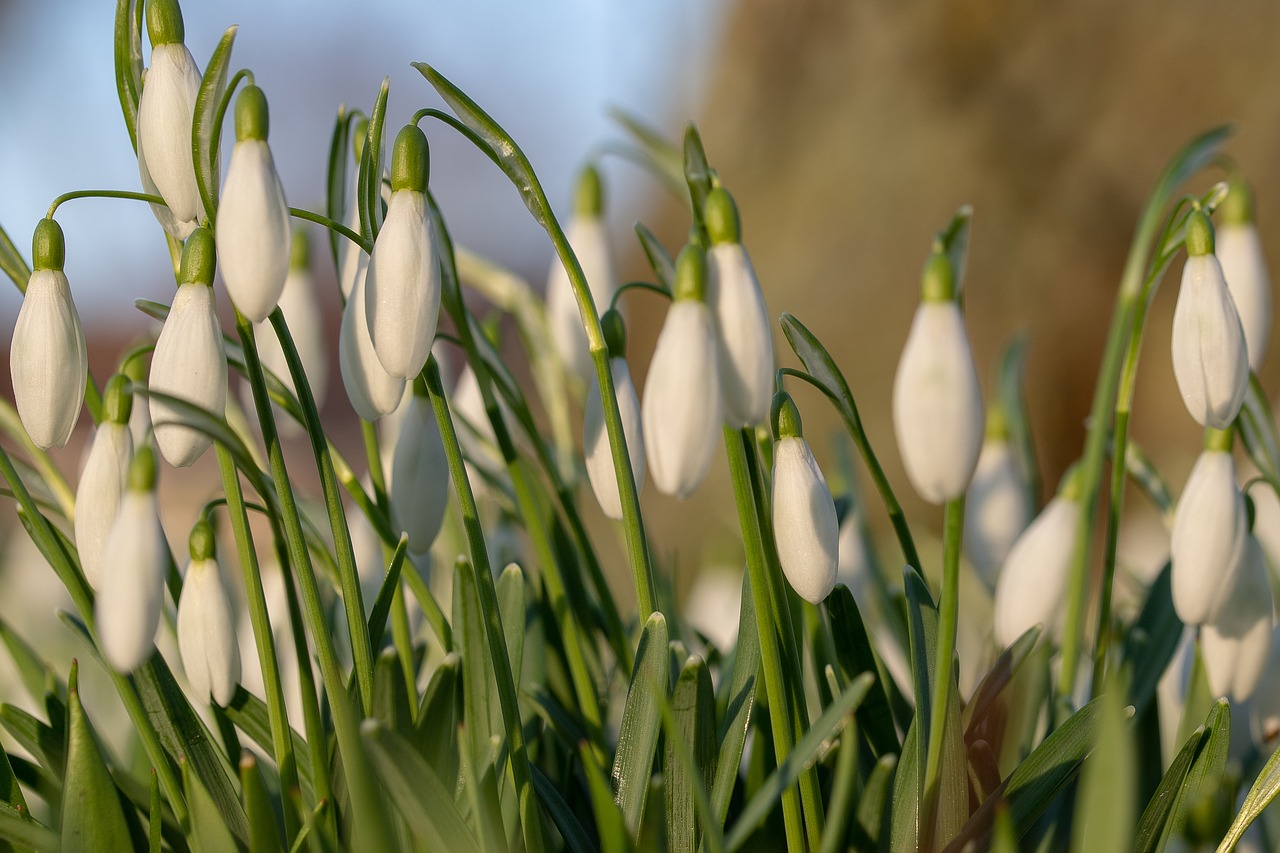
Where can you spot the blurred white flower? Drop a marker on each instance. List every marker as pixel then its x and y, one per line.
pixel 206 625
pixel 805 528
pixel 1239 252
pixel 595 439
pixel 190 363
pixel 372 391
pixel 419 475
pixel 1033 582
pixel 1236 643
pixel 714 605
pixel 1209 531
pixel 1265 707
pixel 853 567
pixel 996 509
pixel 102 482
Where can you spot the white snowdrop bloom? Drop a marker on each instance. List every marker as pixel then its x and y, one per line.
pixel 595 439
pixel 937 407
pixel 253 217
pixel 714 605
pixel 853 565
pixel 206 624
pixel 1033 581
pixel 744 340
pixel 301 310
pixel 189 360
pixel 681 407
pixel 1265 707
pixel 1209 531
pixel 996 508
pixel 130 597
pixel 372 391
pixel 420 474
pixel 1210 359
pixel 402 285
pixel 166 108
pixel 103 480
pixel 588 236
pixel 1236 643
pixel 1239 252
pixel 805 528
pixel 48 362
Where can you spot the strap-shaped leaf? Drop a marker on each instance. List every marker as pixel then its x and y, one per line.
pixel 387 592
pixel 1011 391
pixel 205 132
pixel 91 815
pixel 249 714
pixel 1152 640
pixel 128 62
pixel 641 722
pixel 1104 813
pixel 855 655
pixel 1151 826
pixel 689 756
pixel 369 181
pixel 1257 428
pixel 739 704
pixel 575 837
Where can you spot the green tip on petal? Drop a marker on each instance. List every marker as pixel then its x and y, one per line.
pixel 785 417
pixel 117 400
pixel 1070 486
pixel 164 22
pixel 300 251
pixel 1199 234
pixel 1219 439
pixel 691 273
pixel 997 423
pixel 588 195
pixel 142 470
pixel 199 257
pixel 720 212
pixel 937 283
pixel 410 160
pixel 48 247
pixel 201 541
pixel 1237 208
pixel 615 333
pixel 252 121
pixel 359 134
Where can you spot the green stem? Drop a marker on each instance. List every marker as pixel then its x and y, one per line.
pixel 336 227
pixel 948 617
pixel 125 194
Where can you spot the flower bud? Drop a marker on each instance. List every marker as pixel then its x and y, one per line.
pixel 937 406
pixel 253 217
pixel 206 625
pixel 744 341
pixel 166 109
pixel 681 407
pixel 1236 644
pixel 1210 357
pixel 48 361
pixel 1033 582
pixel 589 239
pixel 372 391
pixel 1209 531
pixel 996 509
pixel 402 285
pixel 130 597
pixel 595 440
pixel 805 528
pixel 189 360
pixel 103 480
pixel 1239 253
pixel 419 474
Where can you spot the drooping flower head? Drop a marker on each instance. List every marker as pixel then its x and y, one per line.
pixel 206 623
pixel 419 473
pixel 253 217
pixel 937 406
pixel 48 361
pixel 595 440
pixel 1237 643
pixel 372 391
pixel 681 407
pixel 1239 252
pixel 996 509
pixel 805 528
pixel 744 341
pixel 103 480
pixel 1210 357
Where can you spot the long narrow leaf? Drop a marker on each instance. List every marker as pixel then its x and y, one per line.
pixel 641 722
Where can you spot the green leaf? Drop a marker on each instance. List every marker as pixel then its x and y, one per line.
pixel 1205 774
pixel 511 606
pixel 611 827
pixel 249 714
pixel 1152 641
pixel 424 802
pixel 576 839
pixel 36 675
pixel 205 135
pixel 12 263
pixel 693 711
pixel 387 592
pixel 36 737
pixel 855 655
pixel 91 815
pixel 1105 802
pixel 1011 392
pixel 27 833
pixel 479 692
pixel 659 259
pixel 954 240
pixel 390 693
pixel 875 806
pixel 264 833
pixel 1150 829
pixel 155 816
pixel 486 809
pixel 641 722
pixel 369 180
pixel 739 704
pixel 1264 791
pixel 209 834
pixel 1257 429
pixel 1145 476
pixel 438 717
pixel 663 156
pixel 697 174
pixel 995 682
pixel 128 62
pixel 336 183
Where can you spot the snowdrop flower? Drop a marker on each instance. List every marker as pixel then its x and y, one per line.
pixel 595 440
pixel 127 609
pixel 419 473
pixel 299 305
pixel 681 408
pixel 1210 359
pixel 351 256
pixel 402 285
pixel 853 566
pixel 166 108
pixel 206 626
pixel 1265 707
pixel 996 509
pixel 103 481
pixel 1209 532
pixel 253 217
pixel 1033 582
pixel 744 340
pixel 589 239
pixel 372 391
pixel 1235 645
pixel 937 408
pixel 47 358
pixel 805 527
pixel 189 360
pixel 1239 252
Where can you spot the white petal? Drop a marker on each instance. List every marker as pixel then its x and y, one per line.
pixel 996 510
pixel 853 568
pixel 1239 253
pixel 253 233
pixel 129 601
pixel 681 408
pixel 1210 360
pixel 47 360
pixel 937 407
pixel 98 495
pixel 420 476
pixel 207 635
pixel 189 363
pixel 589 239
pixel 745 340
pixel 1266 698
pixel 1207 545
pixel 804 521
pixel 1235 646
pixel 373 393
pixel 402 287
pixel 1034 579
pixel 595 439
pixel 165 111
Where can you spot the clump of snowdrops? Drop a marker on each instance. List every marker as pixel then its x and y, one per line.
pixel 528 709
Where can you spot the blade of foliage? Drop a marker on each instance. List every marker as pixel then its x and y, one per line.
pixel 387 592
pixel 207 827
pixel 1155 816
pixel 249 714
pixel 697 173
pixel 663 156
pixel 336 182
pixel 12 263
pixel 954 240
pixel 875 806
pixel 1013 399
pixel 576 839
pixel 659 259
pixel 1105 802
pixel 855 655
pixel 1257 428
pixel 37 676
pixel 369 179
pixel 641 722
pixel 479 703
pixel 204 135
pixel 611 826
pixel 689 757
pixel 1262 794
pixel 46 745
pixel 390 693
pixel 739 705
pixel 91 814
pixel 128 63
pixel 264 833
pixel 1152 641
pixel 26 833
pixel 511 606
pixel 438 716
pixel 1206 771
pixel 1144 474
pixel 993 684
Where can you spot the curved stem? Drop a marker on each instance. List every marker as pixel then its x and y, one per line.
pixel 336 227
pixel 637 285
pixel 125 194
pixel 207 193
